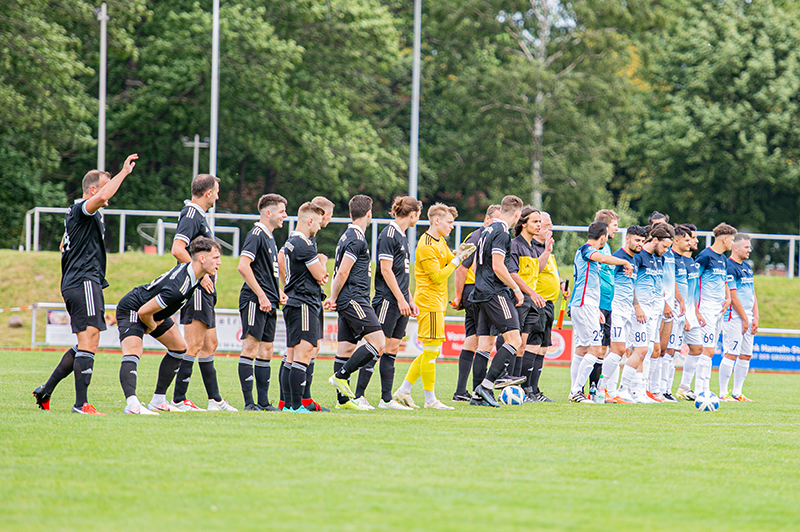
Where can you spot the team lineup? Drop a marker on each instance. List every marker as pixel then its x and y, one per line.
pixel 632 311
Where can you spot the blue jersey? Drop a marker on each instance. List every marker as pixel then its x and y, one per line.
pixel 713 269
pixel 606 280
pixel 649 279
pixel 669 262
pixel 693 277
pixel 740 278
pixel 586 274
pixel 623 285
pixel 682 278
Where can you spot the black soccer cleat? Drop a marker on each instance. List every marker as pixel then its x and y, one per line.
pixel 478 401
pixel 316 407
pixel 511 380
pixel 268 408
pixel 668 397
pixel 462 396
pixel 42 397
pixel 542 398
pixel 252 407
pixel 487 395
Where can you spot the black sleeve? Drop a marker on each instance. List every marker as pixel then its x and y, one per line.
pixel 188 228
pixel 250 247
pixel 387 248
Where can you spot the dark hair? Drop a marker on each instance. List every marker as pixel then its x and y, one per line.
pixel 690 227
pixel 268 200
pixel 660 231
pixel 637 230
pixel 510 204
pixel 682 230
pixel 523 218
pixel 724 229
pixel 359 206
pixel 658 216
pixel 404 206
pixel 92 179
pixel 202 244
pixel 202 183
pixel 597 229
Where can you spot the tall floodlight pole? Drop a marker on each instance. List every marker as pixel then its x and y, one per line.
pixel 102 16
pixel 413 163
pixel 212 165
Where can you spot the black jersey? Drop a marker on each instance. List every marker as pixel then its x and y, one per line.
pixel 393 246
pixel 84 254
pixel 171 290
pixel 494 240
pixel 471 239
pixel 259 246
pixel 300 286
pixel 353 244
pixel 191 224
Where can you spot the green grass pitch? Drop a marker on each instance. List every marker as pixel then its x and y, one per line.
pixel 536 467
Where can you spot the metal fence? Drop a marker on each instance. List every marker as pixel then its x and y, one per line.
pixel 772 251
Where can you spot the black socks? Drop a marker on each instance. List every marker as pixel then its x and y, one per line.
pixel 210 377
pixel 387 376
pixel 62 371
pixel 182 379
pixel 464 367
pixel 263 373
pixel 479 366
pixel 127 374
pixel 246 379
pixel 167 370
pixel 82 366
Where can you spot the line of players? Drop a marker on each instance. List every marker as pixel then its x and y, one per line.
pixel 649 298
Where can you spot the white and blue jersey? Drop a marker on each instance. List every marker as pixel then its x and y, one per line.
pixel 623 285
pixel 606 280
pixel 669 262
pixel 649 280
pixel 713 270
pixel 682 279
pixel 693 278
pixel 586 275
pixel 740 278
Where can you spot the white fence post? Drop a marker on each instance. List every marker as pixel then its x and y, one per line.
pixel 122 218
pixel 160 236
pixel 36 229
pixel 28 231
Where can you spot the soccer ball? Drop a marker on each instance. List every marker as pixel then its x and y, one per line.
pixel 706 402
pixel 512 395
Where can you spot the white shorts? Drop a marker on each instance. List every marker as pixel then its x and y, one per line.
pixel 586 328
pixel 693 336
pixel 622 325
pixel 644 333
pixel 676 336
pixel 733 341
pixel 712 314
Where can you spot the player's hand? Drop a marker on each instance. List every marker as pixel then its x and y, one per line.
pixel 745 326
pixel 700 319
pixel 668 314
pixel 414 309
pixel 628 268
pixel 324 280
pixel 549 243
pixel 264 304
pixel 129 162
pixel 283 298
pixel 564 290
pixel 683 309
pixel 405 308
pixel 465 250
pixel 519 296
pixel 726 304
pixel 456 304
pixel 149 329
pixel 641 317
pixel 538 301
pixel 329 305
pixel 686 326
pixel 207 284
pixel 602 319
pixel 754 326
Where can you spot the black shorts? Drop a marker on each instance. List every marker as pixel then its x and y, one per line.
pixel 392 322
pixel 544 327
pixel 257 323
pixel 129 324
pixel 200 307
pixel 356 320
pixel 606 329
pixel 470 311
pixel 301 324
pixel 497 316
pixel 321 322
pixel 528 315
pixel 86 306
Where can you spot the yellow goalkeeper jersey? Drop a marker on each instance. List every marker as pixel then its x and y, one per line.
pixel 432 267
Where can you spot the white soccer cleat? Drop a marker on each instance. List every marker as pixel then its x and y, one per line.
pixel 220 406
pixel 393 405
pixel 162 407
pixel 626 396
pixel 363 403
pixel 186 406
pixel 438 405
pixel 641 398
pixel 404 399
pixel 139 409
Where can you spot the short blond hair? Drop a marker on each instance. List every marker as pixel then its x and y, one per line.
pixel 440 209
pixel 607 216
pixel 324 203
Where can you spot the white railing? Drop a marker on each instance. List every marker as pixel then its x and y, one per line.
pixel 32 226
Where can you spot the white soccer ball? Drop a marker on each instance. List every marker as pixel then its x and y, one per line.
pixel 512 395
pixel 706 402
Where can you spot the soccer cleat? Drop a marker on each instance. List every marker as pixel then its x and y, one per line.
pixel 669 398
pixel 542 398
pixel 579 397
pixel 42 397
pixel 624 398
pixel 314 406
pixel 727 398
pixel 87 409
pixel 220 406
pixel 641 398
pixel 438 405
pixel 686 394
pixel 462 396
pixel 404 399
pixel 741 398
pixel 162 407
pixel 478 401
pixel 140 409
pixel 350 405
pixel 487 395
pixel 362 402
pixel 503 382
pixel 341 386
pixel 268 408
pixel 609 399
pixel 653 397
pixel 186 406
pixel 393 405
pixel 252 408
pixel 302 410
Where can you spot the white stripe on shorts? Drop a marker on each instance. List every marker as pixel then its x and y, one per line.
pixel 504 306
pixel 251 313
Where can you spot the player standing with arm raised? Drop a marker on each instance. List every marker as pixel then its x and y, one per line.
pixel 83 278
pixel 740 323
pixel 259 299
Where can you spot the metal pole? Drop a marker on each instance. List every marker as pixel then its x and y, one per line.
pixel 33 325
pixel 212 165
pixel 36 230
pixel 413 163
pixel 28 231
pixel 196 160
pixel 160 236
pixel 101 121
pixel 122 219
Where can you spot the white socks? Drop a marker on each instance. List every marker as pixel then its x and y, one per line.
pixel 689 369
pixel 610 367
pixel 573 368
pixel 159 398
pixel 725 371
pixel 430 396
pixel 628 373
pixel 739 374
pixel 584 369
pixel 667 362
pixel 133 401
pixel 405 388
pixel 703 384
pixel 655 375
